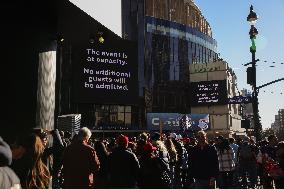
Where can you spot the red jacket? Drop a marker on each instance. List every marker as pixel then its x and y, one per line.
pixel 80 162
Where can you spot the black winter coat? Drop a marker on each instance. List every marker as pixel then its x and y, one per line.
pixel 123 168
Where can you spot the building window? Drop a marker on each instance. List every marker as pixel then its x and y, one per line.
pixel 113 117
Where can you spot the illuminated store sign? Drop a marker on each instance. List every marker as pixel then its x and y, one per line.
pixel 177 121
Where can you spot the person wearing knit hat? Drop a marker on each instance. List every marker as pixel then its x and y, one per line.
pixel 179 137
pixel 173 135
pixel 8 177
pixel 124 166
pixel 154 171
pixel 155 136
pixel 122 141
pixel 149 148
pixel 185 140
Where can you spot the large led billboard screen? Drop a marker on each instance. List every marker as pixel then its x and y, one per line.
pixel 106 73
pixel 209 93
pixel 177 121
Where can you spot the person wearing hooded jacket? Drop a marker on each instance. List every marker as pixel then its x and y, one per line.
pixel 8 178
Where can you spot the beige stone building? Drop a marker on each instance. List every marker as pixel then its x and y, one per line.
pixel 225 119
pixel 278 123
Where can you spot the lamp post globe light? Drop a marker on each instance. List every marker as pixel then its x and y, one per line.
pixel 251 71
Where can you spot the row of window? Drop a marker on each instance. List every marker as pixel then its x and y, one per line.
pixel 168 58
pixel 178 11
pixel 114 117
pixel 163 30
pixel 166 26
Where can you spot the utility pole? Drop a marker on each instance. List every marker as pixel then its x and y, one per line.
pixel 252 17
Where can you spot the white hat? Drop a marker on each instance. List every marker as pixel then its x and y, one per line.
pixel 179 137
pixel 173 135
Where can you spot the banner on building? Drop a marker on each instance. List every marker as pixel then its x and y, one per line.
pixel 177 121
pixel 106 73
pixel 209 93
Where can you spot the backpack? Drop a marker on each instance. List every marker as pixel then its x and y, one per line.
pixel 246 153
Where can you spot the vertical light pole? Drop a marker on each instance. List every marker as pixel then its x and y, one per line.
pixel 252 18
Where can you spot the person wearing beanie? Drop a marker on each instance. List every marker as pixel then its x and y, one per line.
pixel 8 177
pixel 122 141
pixel 154 172
pixel 155 136
pixel 123 166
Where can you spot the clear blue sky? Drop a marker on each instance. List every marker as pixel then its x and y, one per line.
pixel 230 28
pixel 227 19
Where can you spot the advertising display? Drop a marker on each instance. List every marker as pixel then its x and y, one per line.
pixel 209 93
pixel 177 121
pixel 106 73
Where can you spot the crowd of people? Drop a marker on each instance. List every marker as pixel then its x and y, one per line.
pixel 145 161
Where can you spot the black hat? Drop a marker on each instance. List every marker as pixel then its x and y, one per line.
pixel 220 137
pixel 155 136
pixel 5 154
pixel 43 135
pixel 280 145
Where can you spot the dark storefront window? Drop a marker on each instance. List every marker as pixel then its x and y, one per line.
pixel 128 116
pixel 102 115
pixel 107 117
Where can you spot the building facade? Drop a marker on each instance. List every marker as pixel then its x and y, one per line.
pixel 83 32
pixel 278 124
pixel 171 35
pixel 225 118
pixel 42 62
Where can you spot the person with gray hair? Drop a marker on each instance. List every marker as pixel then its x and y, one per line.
pixel 80 162
pixel 84 134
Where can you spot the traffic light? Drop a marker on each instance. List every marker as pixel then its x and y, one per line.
pixel 250 76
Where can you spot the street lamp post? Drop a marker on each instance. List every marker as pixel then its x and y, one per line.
pixel 252 17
